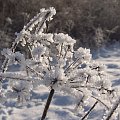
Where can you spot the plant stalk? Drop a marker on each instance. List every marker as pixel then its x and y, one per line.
pixel 47 104
pixel 113 109
pixel 89 110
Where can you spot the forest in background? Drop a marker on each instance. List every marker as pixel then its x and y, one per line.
pixel 92 23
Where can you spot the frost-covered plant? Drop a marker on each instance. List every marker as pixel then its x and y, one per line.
pixel 54 63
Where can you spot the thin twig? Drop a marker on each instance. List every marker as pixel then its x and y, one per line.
pixel 43 22
pixel 100 102
pixel 65 53
pixel 89 111
pixel 5 64
pixel 73 63
pixel 32 70
pixel 78 104
pixel 60 54
pixel 49 63
pixel 113 109
pixel 31 55
pixel 87 86
pixel 15 78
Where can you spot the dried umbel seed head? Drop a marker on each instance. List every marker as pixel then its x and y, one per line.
pixel 54 63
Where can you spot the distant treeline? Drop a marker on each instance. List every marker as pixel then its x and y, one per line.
pixel 91 22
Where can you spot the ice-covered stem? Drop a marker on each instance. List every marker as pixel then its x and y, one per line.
pixel 15 78
pixel 101 102
pixel 5 63
pixel 39 20
pixel 81 100
pixel 47 104
pixel 89 110
pixel 78 104
pixel 113 109
pixel 72 64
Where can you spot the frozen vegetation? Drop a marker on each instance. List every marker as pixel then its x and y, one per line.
pixel 75 85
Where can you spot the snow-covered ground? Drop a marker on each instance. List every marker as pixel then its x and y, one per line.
pixel 62 106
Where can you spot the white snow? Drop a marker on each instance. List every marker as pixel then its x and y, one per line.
pixel 62 106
